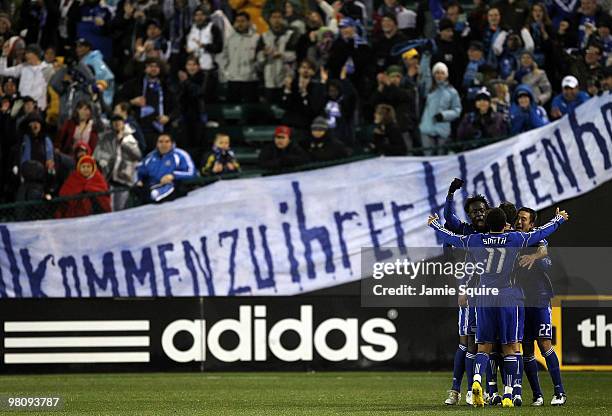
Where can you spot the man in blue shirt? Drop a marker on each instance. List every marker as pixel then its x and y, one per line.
pixel 569 99
pixel 500 302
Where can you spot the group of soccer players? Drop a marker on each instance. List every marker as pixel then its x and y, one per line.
pixel 492 328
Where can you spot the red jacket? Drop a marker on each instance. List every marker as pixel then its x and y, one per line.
pixel 65 137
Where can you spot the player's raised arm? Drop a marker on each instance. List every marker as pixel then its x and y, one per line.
pixel 546 230
pixel 452 221
pixel 447 236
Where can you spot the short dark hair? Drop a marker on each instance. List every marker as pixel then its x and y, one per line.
pixel 510 210
pixel 166 134
pixel 532 213
pixel 475 198
pixel 243 14
pixel 312 64
pixel 496 219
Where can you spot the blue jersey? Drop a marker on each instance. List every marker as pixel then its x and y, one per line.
pixel 453 223
pixel 492 249
pixel 536 282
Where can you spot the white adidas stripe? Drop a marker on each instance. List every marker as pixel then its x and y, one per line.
pixel 61 326
pixel 76 357
pixel 66 342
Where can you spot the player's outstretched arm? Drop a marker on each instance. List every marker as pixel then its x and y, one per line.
pixel 445 235
pixel 452 221
pixel 546 230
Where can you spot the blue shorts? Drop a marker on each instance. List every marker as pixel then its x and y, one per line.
pixel 538 322
pixel 503 324
pixel 467 320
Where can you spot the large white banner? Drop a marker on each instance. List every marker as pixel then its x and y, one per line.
pixel 289 234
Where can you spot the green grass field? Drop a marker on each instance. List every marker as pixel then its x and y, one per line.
pixel 343 393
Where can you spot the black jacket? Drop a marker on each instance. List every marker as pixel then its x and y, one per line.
pixel 326 149
pixel 388 140
pixel 273 158
pixel 301 110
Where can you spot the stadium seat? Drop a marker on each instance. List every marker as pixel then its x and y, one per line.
pixel 259 134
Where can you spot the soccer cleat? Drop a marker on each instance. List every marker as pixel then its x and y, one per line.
pixel 477 397
pixel 494 399
pixel 454 397
pixel 517 400
pixel 558 399
pixel 468 398
pixel 538 401
pixel 507 402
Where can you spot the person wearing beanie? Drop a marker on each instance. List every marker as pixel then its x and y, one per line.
pixel 451 51
pixel 33 74
pixel 321 145
pixel 569 99
pixel 385 41
pixel 85 179
pixel 403 98
pixel 283 154
pixel 483 122
pixel 442 106
pixel 530 74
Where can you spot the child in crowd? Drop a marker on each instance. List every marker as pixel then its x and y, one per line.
pixel 221 159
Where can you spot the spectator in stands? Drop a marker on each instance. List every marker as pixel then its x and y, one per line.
pixel 105 79
pixel 118 154
pixel 84 180
pixel 293 15
pixel 513 13
pixel 450 51
pixel 35 156
pixel 443 106
pixel 154 44
pixel 473 75
pixel 587 20
pixel 508 53
pixel 6 31
pixel 490 34
pixel 92 20
pixel 221 159
pixel 321 145
pixel 124 109
pixel 500 101
pixel 387 137
pixel 33 74
pixel 276 51
pixel 569 99
pixel 540 28
pixel 81 127
pixel 454 13
pixel 241 61
pixel 385 41
pixel 303 98
pixel 192 105
pixel 586 66
pixel 405 18
pixel 204 41
pixel 307 42
pixel 404 101
pixel 162 170
pixel 153 99
pixel 73 85
pixel 283 154
pixel 483 123
pixel 39 20
pixel 606 83
pixel 525 114
pixel 530 74
pixel 339 109
pixel 81 149
pixel 350 53
pixel 354 9
pixel 178 15
pixel 477 18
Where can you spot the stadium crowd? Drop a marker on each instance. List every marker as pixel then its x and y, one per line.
pixel 98 95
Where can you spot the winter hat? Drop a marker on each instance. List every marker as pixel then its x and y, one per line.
pixel 282 130
pixel 410 53
pixel 319 123
pixel 440 67
pixel 483 94
pixel 86 160
pixel 445 24
pixel 394 69
pixel 476 44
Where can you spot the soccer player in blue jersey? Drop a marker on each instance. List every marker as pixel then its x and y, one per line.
pixel 476 208
pixel 499 307
pixel 534 280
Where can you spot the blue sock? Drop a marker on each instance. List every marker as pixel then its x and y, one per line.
pixel 492 374
pixel 510 372
pixel 480 365
pixel 531 371
pixel 518 379
pixel 459 367
pixel 552 362
pixel 469 368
